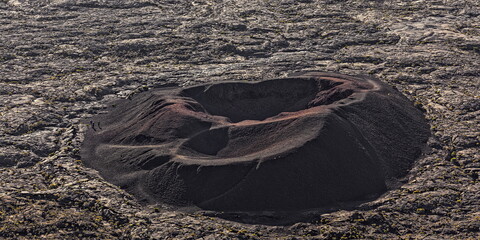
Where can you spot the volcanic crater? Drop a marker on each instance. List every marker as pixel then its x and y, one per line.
pixel 296 143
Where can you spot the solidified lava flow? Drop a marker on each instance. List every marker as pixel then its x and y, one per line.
pixel 301 142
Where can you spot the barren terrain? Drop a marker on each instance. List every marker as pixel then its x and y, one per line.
pixel 62 61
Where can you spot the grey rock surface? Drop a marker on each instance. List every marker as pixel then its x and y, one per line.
pixel 62 61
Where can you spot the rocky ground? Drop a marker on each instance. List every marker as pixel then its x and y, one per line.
pixel 62 61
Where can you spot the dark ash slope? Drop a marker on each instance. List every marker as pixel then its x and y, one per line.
pixel 281 144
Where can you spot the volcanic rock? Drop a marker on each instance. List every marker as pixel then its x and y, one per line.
pixel 300 142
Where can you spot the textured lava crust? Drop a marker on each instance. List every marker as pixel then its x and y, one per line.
pixel 283 144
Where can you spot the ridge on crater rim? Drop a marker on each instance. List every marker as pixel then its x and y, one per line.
pixel 300 142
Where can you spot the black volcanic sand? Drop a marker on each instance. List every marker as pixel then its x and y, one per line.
pixel 296 143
